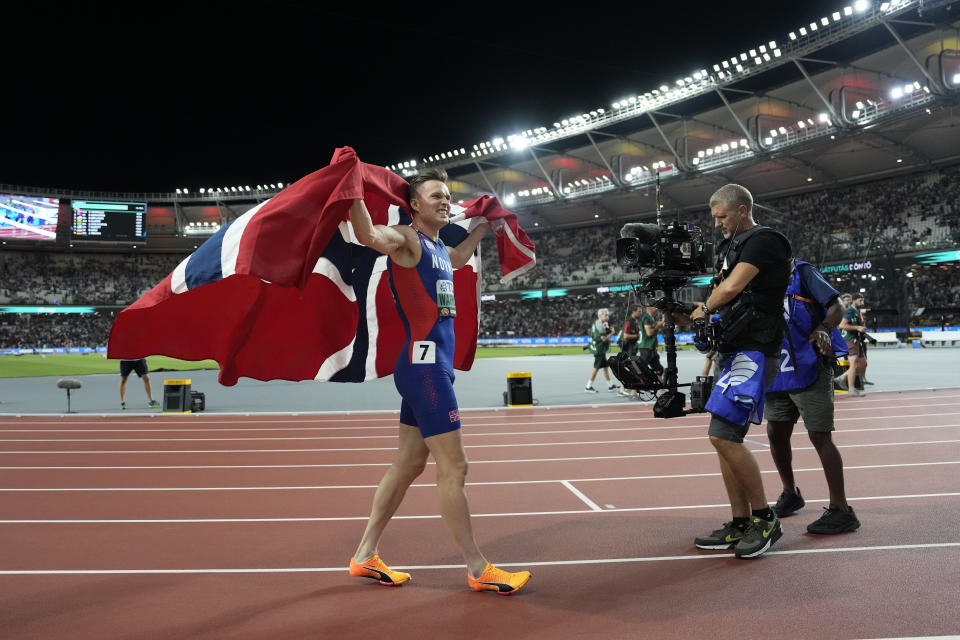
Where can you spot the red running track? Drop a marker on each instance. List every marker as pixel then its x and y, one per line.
pixel 241 527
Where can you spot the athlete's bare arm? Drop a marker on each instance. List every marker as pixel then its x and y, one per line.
pixel 460 254
pixel 399 242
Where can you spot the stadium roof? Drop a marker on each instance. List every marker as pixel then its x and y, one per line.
pixel 848 98
pixel 861 51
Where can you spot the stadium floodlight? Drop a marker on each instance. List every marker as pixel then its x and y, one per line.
pixel 803 31
pixel 768 141
pixel 510 200
pixel 716 67
pixel 696 161
pixel 753 53
pixel 809 179
pixel 896 93
pixel 899 160
pixel 739 67
pixel 773 133
pixel 757 61
pixel 861 5
pixel 766 57
pixel 855 114
pixel 824 117
pixel 793 36
pixel 908 88
pixel 813 26
pixel 202 190
pixel 836 16
pixel 955 80
pixel 825 22
pixel 743 142
pixel 178 191
pixel 743 57
pixel 733 144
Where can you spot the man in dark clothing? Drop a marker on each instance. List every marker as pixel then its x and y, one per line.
pixel 804 388
pixel 753 272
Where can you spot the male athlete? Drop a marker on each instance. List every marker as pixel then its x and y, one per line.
pixel 421 277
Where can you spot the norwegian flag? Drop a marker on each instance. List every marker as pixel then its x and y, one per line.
pixel 286 292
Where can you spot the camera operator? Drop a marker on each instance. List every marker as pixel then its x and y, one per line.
pixel 853 329
pixel 804 388
pixel 601 334
pixel 753 264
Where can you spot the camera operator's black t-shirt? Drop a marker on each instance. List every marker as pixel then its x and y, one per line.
pixel 767 251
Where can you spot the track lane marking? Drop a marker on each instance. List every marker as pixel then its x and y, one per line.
pixel 469 484
pixel 437 516
pixel 426 567
pixel 627 411
pixel 387 464
pixel 468 446
pixel 663 427
pixel 587 501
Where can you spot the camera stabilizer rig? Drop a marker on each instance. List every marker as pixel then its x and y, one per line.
pixel 667 256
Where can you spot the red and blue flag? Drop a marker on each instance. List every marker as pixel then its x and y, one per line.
pixel 286 292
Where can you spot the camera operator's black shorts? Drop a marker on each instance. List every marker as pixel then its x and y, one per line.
pixel 600 361
pixel 727 430
pixel 137 366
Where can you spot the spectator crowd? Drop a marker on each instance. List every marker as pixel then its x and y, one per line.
pixel 869 221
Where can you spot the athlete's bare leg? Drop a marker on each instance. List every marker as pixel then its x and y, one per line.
pixel 451 459
pixel 409 463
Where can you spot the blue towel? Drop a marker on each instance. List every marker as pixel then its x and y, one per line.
pixel 739 392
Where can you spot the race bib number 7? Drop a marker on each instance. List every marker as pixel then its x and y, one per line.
pixel 424 352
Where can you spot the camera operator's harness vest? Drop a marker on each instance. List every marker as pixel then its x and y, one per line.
pixel 743 312
pixel 798 357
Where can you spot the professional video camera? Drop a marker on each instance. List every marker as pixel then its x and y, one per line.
pixel 666 256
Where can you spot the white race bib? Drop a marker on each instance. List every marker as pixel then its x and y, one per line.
pixel 424 352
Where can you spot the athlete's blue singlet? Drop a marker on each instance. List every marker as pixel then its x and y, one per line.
pixel 424 371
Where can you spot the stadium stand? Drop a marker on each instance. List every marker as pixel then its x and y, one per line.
pixel 910 213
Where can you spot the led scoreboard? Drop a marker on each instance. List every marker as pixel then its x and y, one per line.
pixel 109 221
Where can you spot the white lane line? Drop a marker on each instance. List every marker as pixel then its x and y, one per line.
pixel 364 518
pixel 957 637
pixel 466 433
pixel 426 567
pixel 387 464
pixel 469 484
pixel 628 413
pixel 590 503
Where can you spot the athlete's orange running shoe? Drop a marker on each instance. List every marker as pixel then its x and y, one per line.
pixel 503 582
pixel 376 569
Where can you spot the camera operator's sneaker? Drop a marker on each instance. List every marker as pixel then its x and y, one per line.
pixel 153 403
pixel 789 503
pixel 840 382
pixel 624 392
pixel 590 389
pixel 834 520
pixel 613 386
pixel 759 536
pixel 723 538
pixel 123 406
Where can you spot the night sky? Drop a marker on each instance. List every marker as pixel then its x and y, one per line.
pixel 98 97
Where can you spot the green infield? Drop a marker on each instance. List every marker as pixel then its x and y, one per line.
pixel 75 364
